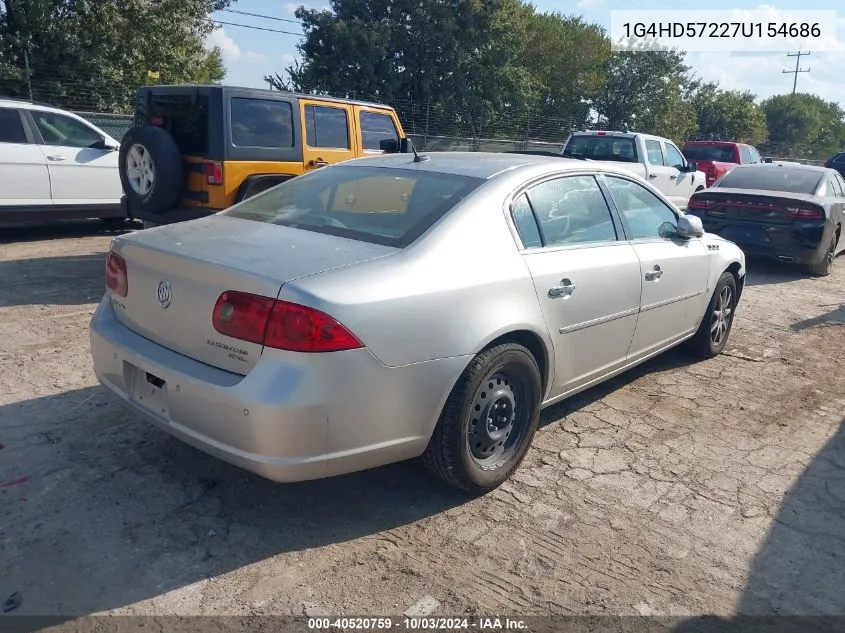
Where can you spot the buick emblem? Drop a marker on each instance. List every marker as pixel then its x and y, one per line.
pixel 163 293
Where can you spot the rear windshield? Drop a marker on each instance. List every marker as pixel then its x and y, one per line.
pixel 615 148
pixel 714 153
pixel 772 178
pixel 185 116
pixel 391 207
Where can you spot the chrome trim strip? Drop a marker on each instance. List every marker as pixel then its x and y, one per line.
pixel 599 321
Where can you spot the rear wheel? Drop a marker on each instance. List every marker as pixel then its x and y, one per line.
pixel 489 420
pixel 712 334
pixel 825 267
pixel 150 168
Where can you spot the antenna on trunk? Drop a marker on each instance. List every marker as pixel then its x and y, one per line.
pixel 417 157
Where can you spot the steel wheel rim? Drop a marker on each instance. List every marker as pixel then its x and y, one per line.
pixel 499 418
pixel 140 169
pixel 831 253
pixel 722 315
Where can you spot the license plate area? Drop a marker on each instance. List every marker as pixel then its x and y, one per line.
pixel 147 390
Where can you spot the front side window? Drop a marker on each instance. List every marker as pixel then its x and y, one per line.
pixel 572 210
pixel 11 127
pixel 392 207
pixel 674 157
pixel 63 131
pixel 655 152
pixel 326 127
pixel 261 123
pixel 648 217
pixel 376 128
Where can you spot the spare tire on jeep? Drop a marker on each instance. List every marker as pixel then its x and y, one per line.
pixel 151 169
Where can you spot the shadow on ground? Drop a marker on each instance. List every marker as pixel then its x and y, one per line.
pixel 61 280
pixel 109 511
pixel 59 230
pixel 797 578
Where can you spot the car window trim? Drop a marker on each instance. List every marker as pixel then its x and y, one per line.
pixel 621 237
pixel 628 231
pixel 346 111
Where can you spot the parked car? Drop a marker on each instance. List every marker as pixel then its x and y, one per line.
pixel 837 162
pixel 656 159
pixel 716 158
pixel 55 165
pixel 786 211
pixel 395 307
pixel 196 150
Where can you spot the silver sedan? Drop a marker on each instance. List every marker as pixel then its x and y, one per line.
pixel 391 307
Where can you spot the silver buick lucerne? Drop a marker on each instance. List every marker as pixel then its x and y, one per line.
pixel 401 306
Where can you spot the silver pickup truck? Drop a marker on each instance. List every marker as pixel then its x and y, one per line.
pixel 656 159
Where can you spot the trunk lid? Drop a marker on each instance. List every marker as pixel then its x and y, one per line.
pixel 752 206
pixel 201 259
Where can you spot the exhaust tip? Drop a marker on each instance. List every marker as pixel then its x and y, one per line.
pixel 786 259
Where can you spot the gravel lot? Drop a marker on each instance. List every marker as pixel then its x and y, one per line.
pixel 679 488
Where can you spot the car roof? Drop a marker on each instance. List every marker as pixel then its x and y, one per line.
pixel 261 92
pixel 483 165
pixel 23 104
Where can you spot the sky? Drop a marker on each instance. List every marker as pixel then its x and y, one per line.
pixel 250 54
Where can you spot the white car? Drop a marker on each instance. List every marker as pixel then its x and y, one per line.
pixel 654 158
pixel 55 165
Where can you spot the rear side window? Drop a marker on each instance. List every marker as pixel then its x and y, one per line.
pixel 262 123
pixel 526 223
pixel 841 183
pixel 11 127
pixel 772 178
pixel 839 158
pixel 376 128
pixel 572 210
pixel 326 127
pixel 391 207
pixel 833 188
pixel 655 152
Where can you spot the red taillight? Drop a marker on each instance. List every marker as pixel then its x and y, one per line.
pixel 806 213
pixel 116 280
pixel 280 324
pixel 214 173
pixel 601 133
pixel 699 203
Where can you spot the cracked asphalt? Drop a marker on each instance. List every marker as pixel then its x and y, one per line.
pixel 679 488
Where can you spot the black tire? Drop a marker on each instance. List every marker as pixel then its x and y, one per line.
pixel 699 189
pixel 165 190
pixel 705 343
pixel 454 451
pixel 825 267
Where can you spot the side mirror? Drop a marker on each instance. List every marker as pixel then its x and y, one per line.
pixel 105 145
pixel 692 167
pixel 406 146
pixel 389 145
pixel 690 226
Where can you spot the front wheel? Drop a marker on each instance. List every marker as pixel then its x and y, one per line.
pixel 489 420
pixel 712 334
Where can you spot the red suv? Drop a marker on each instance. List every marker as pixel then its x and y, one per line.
pixel 716 158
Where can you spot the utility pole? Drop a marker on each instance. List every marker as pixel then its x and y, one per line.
pixel 797 69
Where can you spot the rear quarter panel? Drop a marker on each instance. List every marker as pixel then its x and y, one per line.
pixel 460 286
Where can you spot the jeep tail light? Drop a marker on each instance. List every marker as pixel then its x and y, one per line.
pixel 214 173
pixel 116 279
pixel 280 324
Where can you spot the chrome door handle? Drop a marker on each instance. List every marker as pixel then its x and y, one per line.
pixel 654 274
pixel 319 162
pixel 673 176
pixel 652 176
pixel 56 158
pixel 565 289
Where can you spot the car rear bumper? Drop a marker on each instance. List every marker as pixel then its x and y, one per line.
pixel 294 417
pixel 797 242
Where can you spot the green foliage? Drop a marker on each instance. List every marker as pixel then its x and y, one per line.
pixel 730 114
pixel 804 124
pixel 99 51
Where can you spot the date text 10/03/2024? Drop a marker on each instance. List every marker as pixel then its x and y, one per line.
pixel 417 624
pixel 721 29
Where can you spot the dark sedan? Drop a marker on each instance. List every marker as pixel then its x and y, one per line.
pixel 786 211
pixel 837 162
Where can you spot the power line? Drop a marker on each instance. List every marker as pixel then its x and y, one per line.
pixel 259 15
pixel 797 69
pixel 257 28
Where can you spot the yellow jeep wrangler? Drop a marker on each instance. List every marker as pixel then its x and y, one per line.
pixel 196 150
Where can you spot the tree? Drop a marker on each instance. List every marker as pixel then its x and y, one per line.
pixel 647 90
pixel 94 53
pixel 804 125
pixel 729 114
pixel 212 69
